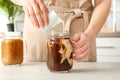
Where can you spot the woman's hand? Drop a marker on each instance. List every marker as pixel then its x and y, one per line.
pixel 82 46
pixel 37 12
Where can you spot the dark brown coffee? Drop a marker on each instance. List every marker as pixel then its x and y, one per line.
pixel 59 56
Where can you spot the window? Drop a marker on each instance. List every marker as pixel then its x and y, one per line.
pixel 113 21
pixel 3 22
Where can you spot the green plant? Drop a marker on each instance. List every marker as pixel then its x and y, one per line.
pixel 10 9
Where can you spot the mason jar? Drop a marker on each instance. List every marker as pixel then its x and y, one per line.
pixel 12 48
pixel 59 53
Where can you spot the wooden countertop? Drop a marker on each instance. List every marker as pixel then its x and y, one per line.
pixel 80 71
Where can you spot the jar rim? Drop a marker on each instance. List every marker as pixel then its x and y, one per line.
pixel 63 34
pixel 12 34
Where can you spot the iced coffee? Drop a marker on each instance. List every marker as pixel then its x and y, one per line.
pixel 12 50
pixel 59 56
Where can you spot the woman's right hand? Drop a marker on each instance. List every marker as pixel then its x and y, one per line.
pixel 36 11
pixel 82 45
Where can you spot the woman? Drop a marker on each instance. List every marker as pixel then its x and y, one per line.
pixel 36 17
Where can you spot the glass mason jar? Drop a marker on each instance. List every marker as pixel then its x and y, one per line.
pixel 59 56
pixel 12 48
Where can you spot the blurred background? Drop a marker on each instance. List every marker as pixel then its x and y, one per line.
pixel 107 42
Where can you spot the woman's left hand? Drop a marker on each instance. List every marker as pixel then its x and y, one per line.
pixel 82 46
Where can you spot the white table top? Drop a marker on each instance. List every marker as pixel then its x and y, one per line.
pixel 80 71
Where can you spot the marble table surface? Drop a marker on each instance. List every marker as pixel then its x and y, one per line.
pixel 80 71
